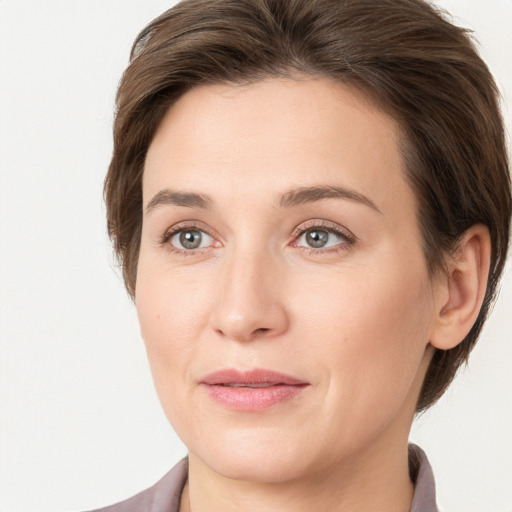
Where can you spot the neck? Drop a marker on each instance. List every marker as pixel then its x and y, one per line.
pixel 375 480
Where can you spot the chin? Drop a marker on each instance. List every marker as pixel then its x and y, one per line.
pixel 262 456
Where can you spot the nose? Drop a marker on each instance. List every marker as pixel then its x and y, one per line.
pixel 249 305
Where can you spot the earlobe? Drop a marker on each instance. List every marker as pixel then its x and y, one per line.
pixel 463 288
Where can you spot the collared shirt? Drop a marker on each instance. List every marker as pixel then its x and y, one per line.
pixel 424 499
pixel 165 495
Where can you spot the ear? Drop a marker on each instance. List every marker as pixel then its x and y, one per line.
pixel 461 290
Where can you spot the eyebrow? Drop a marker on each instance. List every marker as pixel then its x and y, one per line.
pixel 289 199
pixel 179 198
pixel 310 194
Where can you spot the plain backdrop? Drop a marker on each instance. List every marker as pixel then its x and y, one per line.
pixel 80 423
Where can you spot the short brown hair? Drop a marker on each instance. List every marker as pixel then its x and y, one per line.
pixel 404 54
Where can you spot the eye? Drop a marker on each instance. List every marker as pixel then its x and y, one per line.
pixel 320 236
pixel 190 239
pixel 319 239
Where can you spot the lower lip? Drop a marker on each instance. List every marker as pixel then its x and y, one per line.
pixel 252 399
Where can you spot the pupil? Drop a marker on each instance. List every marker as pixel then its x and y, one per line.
pixel 190 239
pixel 317 238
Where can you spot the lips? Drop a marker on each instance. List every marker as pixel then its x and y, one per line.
pixel 257 377
pixel 252 390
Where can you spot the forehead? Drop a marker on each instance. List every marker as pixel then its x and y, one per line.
pixel 273 135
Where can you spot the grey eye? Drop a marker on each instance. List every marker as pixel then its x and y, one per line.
pixel 190 239
pixel 317 238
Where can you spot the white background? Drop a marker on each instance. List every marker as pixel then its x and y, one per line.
pixel 80 423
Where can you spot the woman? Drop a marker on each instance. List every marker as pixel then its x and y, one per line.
pixel 311 204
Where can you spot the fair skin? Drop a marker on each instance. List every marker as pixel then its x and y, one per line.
pixel 279 233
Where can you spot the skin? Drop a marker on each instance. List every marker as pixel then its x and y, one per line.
pixel 356 319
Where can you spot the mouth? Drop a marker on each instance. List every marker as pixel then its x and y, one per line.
pixel 252 390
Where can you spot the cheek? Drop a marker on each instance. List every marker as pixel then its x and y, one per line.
pixel 173 310
pixel 371 334
pixel 367 305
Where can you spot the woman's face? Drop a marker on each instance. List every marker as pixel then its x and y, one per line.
pixel 280 235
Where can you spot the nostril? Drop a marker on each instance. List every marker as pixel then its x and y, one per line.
pixel 242 321
pixel 259 333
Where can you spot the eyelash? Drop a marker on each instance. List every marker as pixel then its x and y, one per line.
pixel 347 237
pixel 193 226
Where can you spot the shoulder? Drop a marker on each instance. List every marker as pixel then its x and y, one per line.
pixel 164 496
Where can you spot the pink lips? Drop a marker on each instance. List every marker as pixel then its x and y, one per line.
pixel 253 390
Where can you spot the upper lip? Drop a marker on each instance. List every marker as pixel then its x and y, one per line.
pixel 257 376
